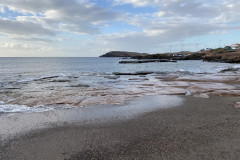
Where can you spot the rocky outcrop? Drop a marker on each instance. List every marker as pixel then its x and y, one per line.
pixel 194 56
pixel 233 57
pixel 122 54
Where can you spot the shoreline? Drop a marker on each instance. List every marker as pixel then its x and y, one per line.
pixel 15 125
pixel 197 129
pixel 51 92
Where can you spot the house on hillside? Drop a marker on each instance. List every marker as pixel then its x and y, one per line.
pixel 205 49
pixel 228 48
pixel 235 46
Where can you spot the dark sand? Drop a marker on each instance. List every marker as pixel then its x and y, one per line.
pixel 199 129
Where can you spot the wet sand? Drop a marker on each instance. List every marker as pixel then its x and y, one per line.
pixel 197 129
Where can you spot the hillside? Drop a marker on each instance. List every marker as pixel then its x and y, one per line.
pixel 214 55
pixel 227 57
pixel 122 54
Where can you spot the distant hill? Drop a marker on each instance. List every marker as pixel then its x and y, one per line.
pixel 123 54
pixel 214 55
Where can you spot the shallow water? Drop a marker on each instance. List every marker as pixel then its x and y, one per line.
pixel 50 83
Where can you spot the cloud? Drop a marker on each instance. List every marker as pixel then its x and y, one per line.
pixel 155 36
pixel 178 20
pixel 23 28
pixel 87 26
pixel 71 15
pixel 2 9
pixel 136 3
pixel 225 10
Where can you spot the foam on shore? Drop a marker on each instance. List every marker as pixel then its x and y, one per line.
pixel 14 108
pixel 18 124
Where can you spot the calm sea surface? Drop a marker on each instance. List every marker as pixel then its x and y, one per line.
pixel 12 69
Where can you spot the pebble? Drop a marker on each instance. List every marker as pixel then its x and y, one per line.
pixel 237 105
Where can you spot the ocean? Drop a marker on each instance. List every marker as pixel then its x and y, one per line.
pixel 40 84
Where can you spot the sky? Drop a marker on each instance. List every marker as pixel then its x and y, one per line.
pixel 89 28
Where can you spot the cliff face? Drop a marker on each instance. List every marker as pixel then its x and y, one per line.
pixel 122 54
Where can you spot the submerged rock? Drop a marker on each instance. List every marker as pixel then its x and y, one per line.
pixel 61 80
pixel 79 85
pixel 136 73
pixel 12 88
pixel 112 77
pixel 49 77
pixel 230 70
pixel 140 79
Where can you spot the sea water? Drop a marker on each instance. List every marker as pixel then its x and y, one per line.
pixel 18 74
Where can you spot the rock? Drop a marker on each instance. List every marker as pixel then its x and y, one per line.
pixel 138 79
pixel 61 80
pixel 79 85
pixel 230 70
pixel 72 76
pixel 136 73
pixel 143 73
pixel 227 57
pixel 12 88
pixel 237 105
pixel 112 77
pixel 49 77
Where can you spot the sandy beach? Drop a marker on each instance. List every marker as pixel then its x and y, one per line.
pixel 196 129
pixel 119 80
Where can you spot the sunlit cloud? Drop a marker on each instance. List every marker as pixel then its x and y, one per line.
pixel 90 28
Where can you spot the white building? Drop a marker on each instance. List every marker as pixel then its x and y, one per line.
pixel 235 46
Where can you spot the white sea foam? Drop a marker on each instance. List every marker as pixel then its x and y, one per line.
pixel 13 108
pixel 27 80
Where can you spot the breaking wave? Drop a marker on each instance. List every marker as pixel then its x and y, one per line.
pixel 13 108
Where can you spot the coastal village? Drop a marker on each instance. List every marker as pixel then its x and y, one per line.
pixel 231 47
